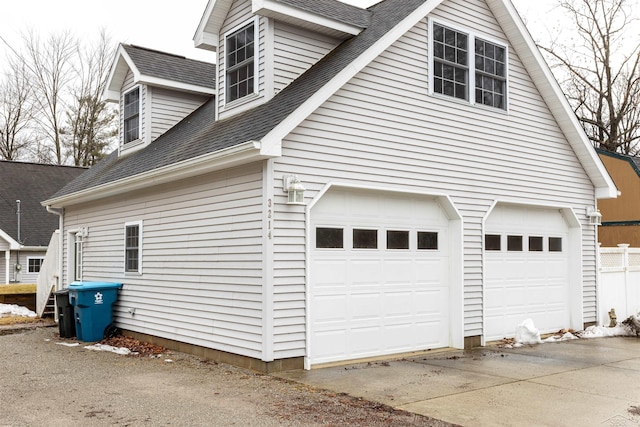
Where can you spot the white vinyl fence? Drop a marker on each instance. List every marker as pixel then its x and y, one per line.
pixel 619 283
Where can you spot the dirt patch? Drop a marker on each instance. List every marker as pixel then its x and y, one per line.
pixel 14 320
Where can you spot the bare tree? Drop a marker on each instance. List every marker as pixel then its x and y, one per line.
pixel 49 64
pixel 15 110
pixel 599 70
pixel 91 121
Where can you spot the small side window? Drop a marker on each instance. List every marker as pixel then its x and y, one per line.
pixel 365 239
pixel 329 238
pixel 492 242
pixel 514 243
pixel 535 244
pixel 133 247
pixel 397 239
pixel 427 240
pixel 555 244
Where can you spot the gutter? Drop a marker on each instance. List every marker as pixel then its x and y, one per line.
pixel 210 162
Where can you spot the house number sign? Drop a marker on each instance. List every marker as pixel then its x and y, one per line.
pixel 269 215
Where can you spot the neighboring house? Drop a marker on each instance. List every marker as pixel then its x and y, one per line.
pixel 447 186
pixel 24 236
pixel 621 216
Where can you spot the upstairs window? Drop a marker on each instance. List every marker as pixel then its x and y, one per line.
pixel 240 62
pixel 491 74
pixel 478 79
pixel 131 115
pixel 450 62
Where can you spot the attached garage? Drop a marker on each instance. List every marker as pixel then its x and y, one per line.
pixel 530 269
pixel 380 274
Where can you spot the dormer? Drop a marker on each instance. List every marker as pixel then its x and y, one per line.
pixel 263 45
pixel 155 90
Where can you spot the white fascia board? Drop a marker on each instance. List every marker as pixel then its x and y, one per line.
pixel 208 31
pixel 13 244
pixel 237 155
pixel 34 248
pixel 272 142
pixel 545 81
pixel 276 9
pixel 118 73
pixel 172 84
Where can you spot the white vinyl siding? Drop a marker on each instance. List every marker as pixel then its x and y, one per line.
pixel 25 276
pixel 384 121
pixel 296 50
pixel 202 259
pixel 168 107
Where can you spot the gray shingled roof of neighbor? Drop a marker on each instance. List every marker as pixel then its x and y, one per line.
pixel 172 67
pixel 198 134
pixel 31 183
pixel 333 9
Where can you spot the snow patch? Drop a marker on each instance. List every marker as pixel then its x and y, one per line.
pixel 527 333
pixel 604 331
pixel 15 310
pixel 103 347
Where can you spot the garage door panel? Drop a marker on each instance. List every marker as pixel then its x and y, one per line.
pixel 526 283
pixel 393 300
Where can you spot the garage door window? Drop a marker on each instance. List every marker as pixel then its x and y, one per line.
pixel 329 238
pixel 555 244
pixel 365 239
pixel 427 240
pixel 492 242
pixel 514 243
pixel 397 239
pixel 535 244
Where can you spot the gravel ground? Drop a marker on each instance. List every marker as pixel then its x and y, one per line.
pixel 45 383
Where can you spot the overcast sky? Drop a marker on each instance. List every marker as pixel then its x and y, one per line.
pixel 147 23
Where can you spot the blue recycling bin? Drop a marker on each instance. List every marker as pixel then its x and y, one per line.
pixel 93 308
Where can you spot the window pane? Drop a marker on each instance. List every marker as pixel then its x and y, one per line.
pixel 555 244
pixel 514 243
pixel 240 63
pixel 132 247
pixel 331 238
pixel 535 244
pixel 365 239
pixel 397 239
pixel 492 242
pixel 427 240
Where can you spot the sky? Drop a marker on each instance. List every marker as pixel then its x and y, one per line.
pixel 147 23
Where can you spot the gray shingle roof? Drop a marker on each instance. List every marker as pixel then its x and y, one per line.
pixel 199 134
pixel 172 67
pixel 334 9
pixel 31 183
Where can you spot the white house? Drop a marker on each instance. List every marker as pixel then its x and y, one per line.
pixel 447 186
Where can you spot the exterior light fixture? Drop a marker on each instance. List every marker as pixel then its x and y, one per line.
pixel 294 189
pixel 594 215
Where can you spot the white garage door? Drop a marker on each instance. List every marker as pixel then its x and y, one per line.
pixel 527 270
pixel 379 275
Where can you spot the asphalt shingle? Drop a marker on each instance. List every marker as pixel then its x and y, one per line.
pixel 31 183
pixel 198 134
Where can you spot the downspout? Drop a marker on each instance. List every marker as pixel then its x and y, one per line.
pixel 17 268
pixel 60 213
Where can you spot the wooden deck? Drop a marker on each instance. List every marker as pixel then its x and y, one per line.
pixel 21 294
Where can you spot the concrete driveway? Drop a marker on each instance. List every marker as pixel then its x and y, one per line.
pixel 587 382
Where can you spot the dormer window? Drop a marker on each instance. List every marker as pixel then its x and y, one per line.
pixel 240 53
pixel 467 67
pixel 131 115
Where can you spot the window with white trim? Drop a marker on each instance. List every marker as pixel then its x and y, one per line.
pixel 240 54
pixel 454 73
pixel 131 115
pixel 34 264
pixel 133 247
